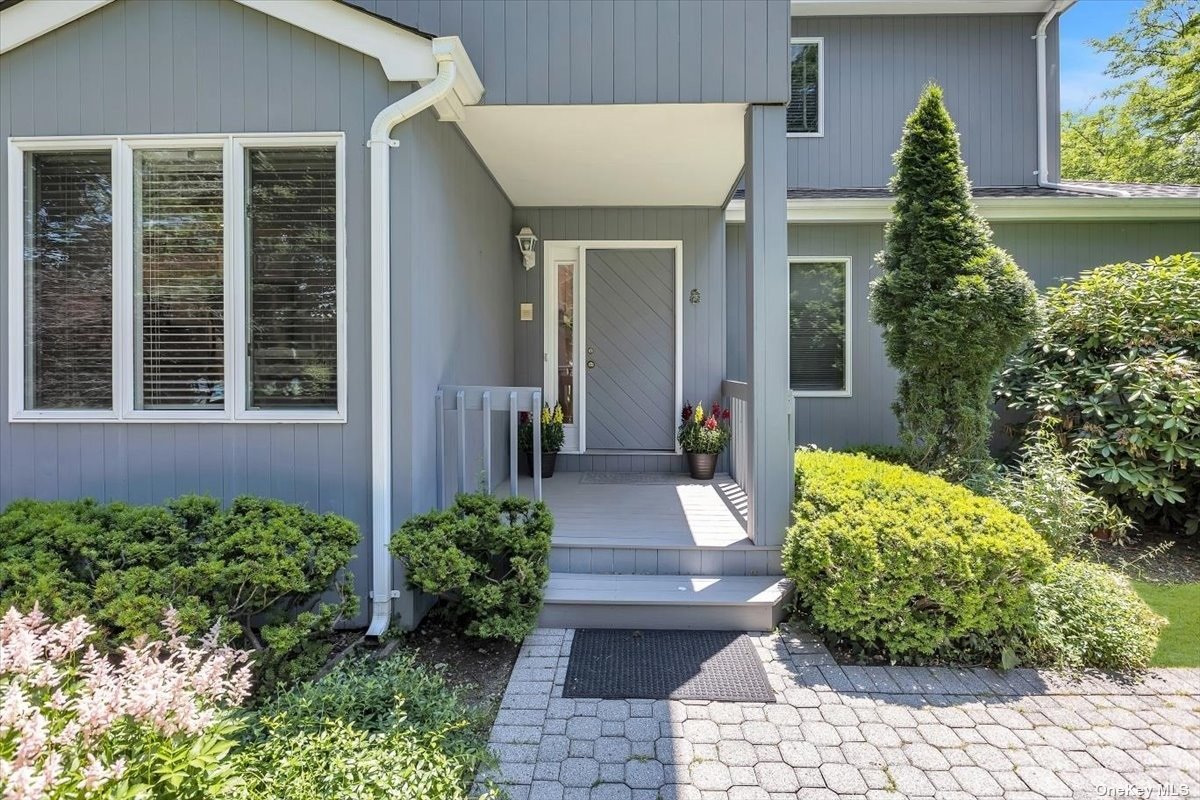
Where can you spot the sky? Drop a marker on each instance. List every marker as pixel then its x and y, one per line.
pixel 1083 78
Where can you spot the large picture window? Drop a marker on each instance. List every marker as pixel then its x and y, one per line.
pixel 804 113
pixel 164 279
pixel 819 325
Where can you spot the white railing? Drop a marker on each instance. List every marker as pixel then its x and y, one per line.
pixel 487 400
pixel 736 396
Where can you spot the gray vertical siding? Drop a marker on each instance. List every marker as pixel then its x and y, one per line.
pixel 452 293
pixel 875 69
pixel 186 66
pixel 702 231
pixel 1049 252
pixel 613 51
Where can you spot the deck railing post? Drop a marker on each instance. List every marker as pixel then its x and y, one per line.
pixel 487 442
pixel 536 403
pixel 513 424
pixel 439 448
pixel 461 399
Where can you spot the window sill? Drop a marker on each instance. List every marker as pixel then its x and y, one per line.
pixel 200 418
pixel 796 393
pixel 798 135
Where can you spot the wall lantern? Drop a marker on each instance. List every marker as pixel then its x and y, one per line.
pixel 526 240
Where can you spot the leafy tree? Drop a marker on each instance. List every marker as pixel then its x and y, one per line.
pixel 1150 131
pixel 953 306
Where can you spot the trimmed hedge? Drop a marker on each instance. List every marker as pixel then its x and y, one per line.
pixel 260 566
pixel 907 566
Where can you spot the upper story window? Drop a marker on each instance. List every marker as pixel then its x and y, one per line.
pixel 805 115
pixel 161 279
pixel 819 326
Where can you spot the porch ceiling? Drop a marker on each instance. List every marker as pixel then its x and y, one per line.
pixel 677 154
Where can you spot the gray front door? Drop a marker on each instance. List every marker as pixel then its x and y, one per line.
pixel 630 350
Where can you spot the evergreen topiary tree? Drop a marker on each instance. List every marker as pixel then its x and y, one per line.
pixel 953 305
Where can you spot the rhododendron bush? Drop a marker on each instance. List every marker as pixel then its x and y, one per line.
pixel 154 720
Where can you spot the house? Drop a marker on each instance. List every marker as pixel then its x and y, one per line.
pixel 271 247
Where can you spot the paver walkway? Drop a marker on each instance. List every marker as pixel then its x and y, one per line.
pixel 851 732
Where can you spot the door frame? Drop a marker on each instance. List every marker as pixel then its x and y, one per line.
pixel 551 257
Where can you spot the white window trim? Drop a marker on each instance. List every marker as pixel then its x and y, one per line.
pixel 819 41
pixel 122 148
pixel 848 272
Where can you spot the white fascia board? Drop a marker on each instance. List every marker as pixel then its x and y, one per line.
pixel 1008 209
pixel 834 8
pixel 26 21
pixel 404 55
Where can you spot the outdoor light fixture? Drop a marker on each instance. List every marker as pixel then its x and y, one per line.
pixel 526 240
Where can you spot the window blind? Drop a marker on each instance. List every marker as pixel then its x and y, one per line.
pixel 817 346
pixel 802 114
pixel 179 274
pixel 68 280
pixel 291 260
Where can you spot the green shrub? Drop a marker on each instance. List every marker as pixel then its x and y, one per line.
pixel 1089 616
pixel 1117 363
pixel 488 558
pixel 908 566
pixel 1045 488
pixel 370 730
pixel 887 453
pixel 260 565
pixel 952 305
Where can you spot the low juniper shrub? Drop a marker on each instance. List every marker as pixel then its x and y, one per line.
pixel 262 566
pixel 487 558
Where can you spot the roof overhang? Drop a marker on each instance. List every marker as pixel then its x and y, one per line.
pixel 670 154
pixel 403 53
pixel 995 209
pixel 834 8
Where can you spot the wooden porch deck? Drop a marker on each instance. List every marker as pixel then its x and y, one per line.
pixel 664 511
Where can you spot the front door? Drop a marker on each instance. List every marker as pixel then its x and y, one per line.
pixel 629 349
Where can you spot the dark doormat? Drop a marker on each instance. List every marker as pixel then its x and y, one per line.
pixel 666 665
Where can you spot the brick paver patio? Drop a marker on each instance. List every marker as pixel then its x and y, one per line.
pixel 851 732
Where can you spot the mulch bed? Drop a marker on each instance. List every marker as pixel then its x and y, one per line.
pixel 1156 557
pixel 479 668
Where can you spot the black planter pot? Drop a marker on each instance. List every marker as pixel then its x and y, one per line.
pixel 702 465
pixel 548 462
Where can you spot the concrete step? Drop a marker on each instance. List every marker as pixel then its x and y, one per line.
pixel 651 557
pixel 664 601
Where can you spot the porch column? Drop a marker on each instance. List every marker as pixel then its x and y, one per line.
pixel 767 323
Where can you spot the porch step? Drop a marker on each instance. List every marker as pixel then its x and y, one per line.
pixel 664 601
pixel 651 556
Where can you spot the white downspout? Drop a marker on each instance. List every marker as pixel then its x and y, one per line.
pixel 381 330
pixel 1043 110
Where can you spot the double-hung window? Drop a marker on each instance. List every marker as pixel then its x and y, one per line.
pixel 819 326
pixel 169 279
pixel 805 111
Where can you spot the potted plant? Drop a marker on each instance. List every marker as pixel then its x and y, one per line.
pixel 552 439
pixel 703 438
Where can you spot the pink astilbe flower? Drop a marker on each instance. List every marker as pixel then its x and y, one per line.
pixel 66 711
